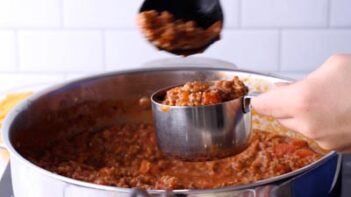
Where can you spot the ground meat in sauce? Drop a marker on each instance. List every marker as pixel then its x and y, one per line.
pixel 127 156
pixel 205 93
pixel 171 34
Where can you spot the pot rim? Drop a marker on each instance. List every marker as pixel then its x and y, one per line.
pixel 23 105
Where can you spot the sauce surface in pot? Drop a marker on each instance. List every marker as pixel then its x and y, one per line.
pixel 127 156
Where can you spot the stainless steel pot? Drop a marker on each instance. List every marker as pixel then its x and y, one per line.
pixel 75 107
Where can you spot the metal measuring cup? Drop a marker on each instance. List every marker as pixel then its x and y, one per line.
pixel 199 133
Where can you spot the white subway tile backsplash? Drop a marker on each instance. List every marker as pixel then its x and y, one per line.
pixel 128 49
pixel 231 12
pixel 254 50
pixel 101 13
pixel 81 37
pixel 7 51
pixel 284 13
pixel 29 13
pixel 305 50
pixel 15 81
pixel 60 51
pixel 340 13
pixel 111 13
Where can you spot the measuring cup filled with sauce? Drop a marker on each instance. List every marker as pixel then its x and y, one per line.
pixel 202 120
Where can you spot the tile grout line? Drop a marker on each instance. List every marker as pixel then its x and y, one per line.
pixel 279 50
pixel 103 39
pixel 329 4
pixel 133 29
pixel 61 7
pixel 239 14
pixel 78 28
pixel 17 53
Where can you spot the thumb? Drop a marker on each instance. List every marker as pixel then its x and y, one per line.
pixel 274 103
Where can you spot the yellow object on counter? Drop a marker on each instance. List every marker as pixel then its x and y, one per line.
pixel 6 104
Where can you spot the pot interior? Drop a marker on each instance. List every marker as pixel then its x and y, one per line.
pixel 100 102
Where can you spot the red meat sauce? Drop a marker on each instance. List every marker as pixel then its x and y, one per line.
pixel 199 93
pixel 127 156
pixel 171 34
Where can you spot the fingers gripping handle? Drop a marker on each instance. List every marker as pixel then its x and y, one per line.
pixel 246 101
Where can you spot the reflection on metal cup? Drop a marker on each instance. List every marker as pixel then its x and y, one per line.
pixel 202 132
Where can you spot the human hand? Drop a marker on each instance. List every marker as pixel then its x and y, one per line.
pixel 318 106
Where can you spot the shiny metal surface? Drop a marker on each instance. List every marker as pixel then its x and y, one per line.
pixel 193 62
pixel 202 132
pixel 48 114
pixel 26 88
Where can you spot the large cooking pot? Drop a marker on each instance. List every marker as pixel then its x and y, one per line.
pixel 76 106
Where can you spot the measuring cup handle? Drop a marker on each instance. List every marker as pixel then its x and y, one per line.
pixel 246 101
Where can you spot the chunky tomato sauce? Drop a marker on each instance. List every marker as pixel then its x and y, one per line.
pixel 171 34
pixel 127 156
pixel 205 93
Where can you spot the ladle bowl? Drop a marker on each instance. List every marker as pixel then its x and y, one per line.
pixel 204 12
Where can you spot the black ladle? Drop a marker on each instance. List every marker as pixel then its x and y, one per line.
pixel 204 12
